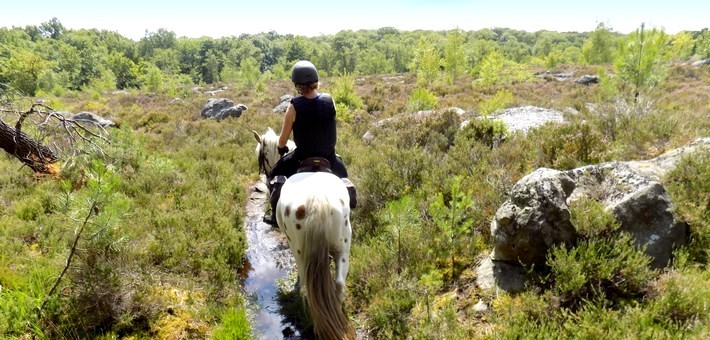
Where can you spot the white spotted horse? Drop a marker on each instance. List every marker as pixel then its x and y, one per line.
pixel 314 212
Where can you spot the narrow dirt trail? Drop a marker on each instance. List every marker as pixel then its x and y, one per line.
pixel 270 261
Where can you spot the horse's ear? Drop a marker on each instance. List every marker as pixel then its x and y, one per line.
pixel 257 136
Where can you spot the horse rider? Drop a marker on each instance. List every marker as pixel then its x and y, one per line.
pixel 311 118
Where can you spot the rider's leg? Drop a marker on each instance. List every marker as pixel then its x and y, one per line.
pixel 337 166
pixel 285 167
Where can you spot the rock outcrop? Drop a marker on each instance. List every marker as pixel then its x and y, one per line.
pixel 284 101
pixel 527 117
pixel 89 117
pixel 537 217
pixel 587 80
pixel 221 108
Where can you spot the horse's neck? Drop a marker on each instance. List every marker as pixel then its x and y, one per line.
pixel 271 153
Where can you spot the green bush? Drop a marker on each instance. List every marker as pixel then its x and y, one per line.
pixel 344 91
pixel 501 100
pixel 568 146
pixel 421 100
pixel 389 312
pixel 490 132
pixel 680 299
pixel 591 220
pixel 689 186
pixel 599 269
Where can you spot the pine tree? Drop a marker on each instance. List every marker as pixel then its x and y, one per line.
pixel 641 61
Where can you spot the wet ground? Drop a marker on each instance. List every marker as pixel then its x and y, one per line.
pixel 271 265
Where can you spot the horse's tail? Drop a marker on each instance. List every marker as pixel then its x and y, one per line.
pixel 329 320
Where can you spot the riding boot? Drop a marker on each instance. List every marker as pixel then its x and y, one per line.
pixel 276 184
pixel 351 192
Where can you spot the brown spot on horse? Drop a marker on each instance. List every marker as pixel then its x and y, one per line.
pixel 301 212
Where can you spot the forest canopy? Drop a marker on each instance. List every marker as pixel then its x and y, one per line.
pixel 49 58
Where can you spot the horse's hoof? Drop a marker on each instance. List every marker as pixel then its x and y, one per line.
pixel 269 220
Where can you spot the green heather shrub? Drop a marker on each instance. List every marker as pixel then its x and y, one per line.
pixel 606 269
pixel 437 319
pixel 489 132
pixel 390 174
pixel 689 186
pixel 566 146
pixel 526 315
pixel 590 219
pixel 384 279
pixel 375 101
pixel 389 311
pixel 438 131
pixel 421 100
pixel 501 100
pixel 680 299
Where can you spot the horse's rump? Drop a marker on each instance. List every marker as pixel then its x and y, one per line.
pixel 313 212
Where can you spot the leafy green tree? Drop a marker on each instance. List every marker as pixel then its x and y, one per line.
pixel 23 69
pixel 81 57
pixel 125 70
pixel 162 39
pixel 682 46
pixel 641 62
pixel 454 55
pixel 211 68
pixel 152 77
pixel 702 44
pixel 513 49
pixel 346 50
pixel 299 48
pixel 491 68
pixel 249 71
pixel 374 61
pixel 598 49
pixel 52 28
pixel 166 59
pixel 426 62
pixel 476 50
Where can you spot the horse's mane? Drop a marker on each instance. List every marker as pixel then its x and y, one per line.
pixel 270 139
pixel 267 148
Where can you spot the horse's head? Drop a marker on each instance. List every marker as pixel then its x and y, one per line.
pixel 267 150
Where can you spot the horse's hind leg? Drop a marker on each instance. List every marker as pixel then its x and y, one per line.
pixel 342 264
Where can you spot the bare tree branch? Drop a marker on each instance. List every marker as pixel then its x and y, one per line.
pixel 40 158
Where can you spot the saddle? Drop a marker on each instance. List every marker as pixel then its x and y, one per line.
pixel 314 164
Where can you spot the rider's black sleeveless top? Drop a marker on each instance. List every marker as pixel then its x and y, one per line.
pixel 314 130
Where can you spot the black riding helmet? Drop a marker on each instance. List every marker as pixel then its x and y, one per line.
pixel 304 72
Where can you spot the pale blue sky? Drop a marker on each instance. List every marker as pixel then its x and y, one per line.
pixel 216 18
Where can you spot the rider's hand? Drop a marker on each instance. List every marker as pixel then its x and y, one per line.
pixel 282 150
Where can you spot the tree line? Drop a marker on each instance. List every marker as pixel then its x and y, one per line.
pixel 49 58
